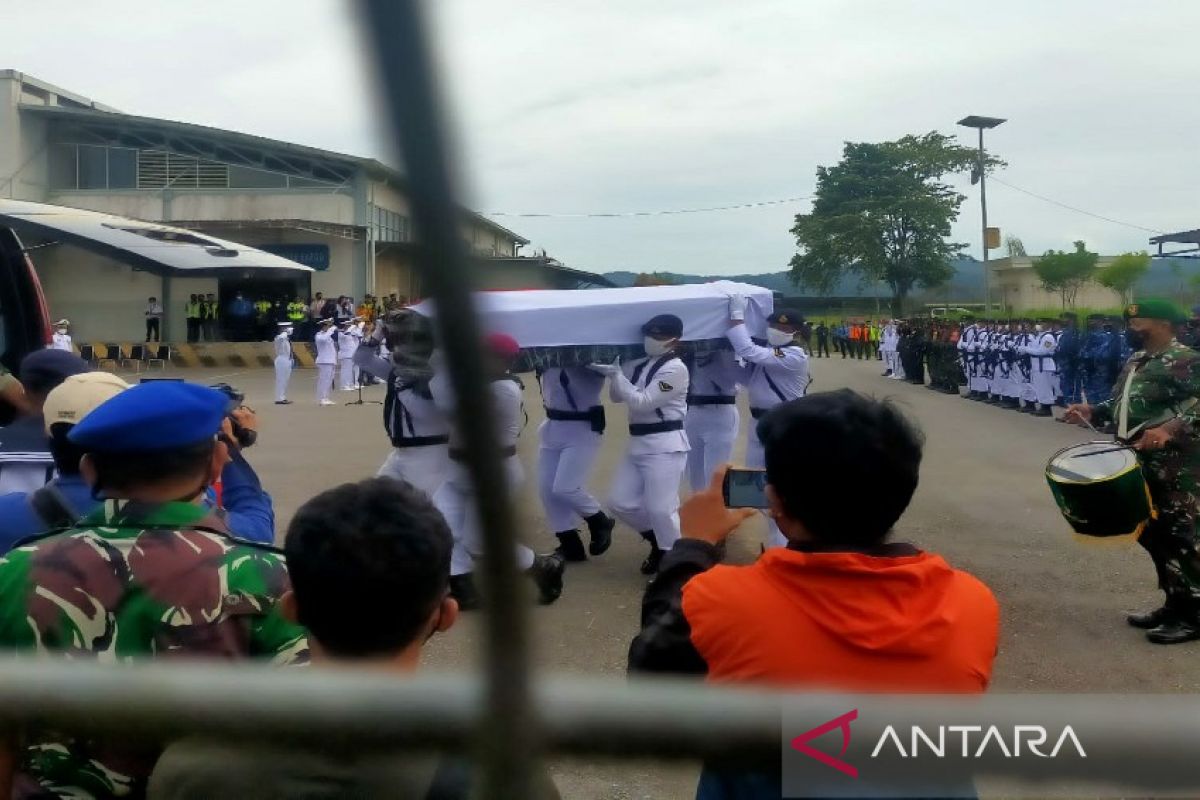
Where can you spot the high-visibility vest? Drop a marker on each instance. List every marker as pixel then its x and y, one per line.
pixel 192 310
pixel 297 312
pixel 209 309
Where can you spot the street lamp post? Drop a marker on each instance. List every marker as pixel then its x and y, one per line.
pixel 982 123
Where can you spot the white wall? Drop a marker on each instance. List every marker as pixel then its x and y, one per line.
pixel 22 145
pixel 320 206
pixel 104 299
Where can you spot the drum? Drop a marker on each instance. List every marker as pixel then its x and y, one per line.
pixel 1100 489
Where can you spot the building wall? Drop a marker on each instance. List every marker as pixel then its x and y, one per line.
pixel 23 165
pixel 336 280
pixel 103 298
pixel 514 276
pixel 1016 287
pixel 394 273
pixel 318 205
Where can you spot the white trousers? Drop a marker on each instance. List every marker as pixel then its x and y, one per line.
pixel 324 381
pixel 283 374
pixel 1028 392
pixel 346 373
pixel 756 459
pixel 563 471
pixel 423 467
pixel 711 431
pixel 1056 384
pixel 456 501
pixel 645 494
pixel 1044 387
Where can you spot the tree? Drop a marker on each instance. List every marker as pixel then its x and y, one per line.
pixel 1123 273
pixel 1065 272
pixel 1015 247
pixel 653 279
pixel 883 213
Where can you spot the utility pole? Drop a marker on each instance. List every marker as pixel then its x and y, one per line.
pixel 982 123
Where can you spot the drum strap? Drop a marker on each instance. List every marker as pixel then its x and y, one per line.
pixel 1123 416
pixel 1123 430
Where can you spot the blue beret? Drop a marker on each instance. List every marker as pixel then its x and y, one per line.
pixel 152 417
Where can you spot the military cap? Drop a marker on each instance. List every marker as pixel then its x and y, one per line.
pixel 501 344
pixel 42 370
pixel 284 324
pixel 664 325
pixel 152 417
pixel 785 316
pixel 1153 308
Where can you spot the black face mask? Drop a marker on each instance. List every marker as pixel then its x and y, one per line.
pixel 1135 339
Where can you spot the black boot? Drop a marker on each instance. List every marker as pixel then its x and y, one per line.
pixel 462 589
pixel 600 528
pixel 1151 619
pixel 547 574
pixel 1044 411
pixel 650 565
pixel 570 546
pixel 1176 631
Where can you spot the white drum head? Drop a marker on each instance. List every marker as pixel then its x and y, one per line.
pixel 1093 461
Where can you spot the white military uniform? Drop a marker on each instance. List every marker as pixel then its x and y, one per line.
pixel 889 343
pixel 1022 345
pixel 416 427
pixel 645 490
pixel 283 363
pixel 326 361
pixel 773 375
pixel 347 345
pixel 969 346
pixel 456 498
pixel 61 341
pixel 569 441
pixel 712 415
pixel 1042 369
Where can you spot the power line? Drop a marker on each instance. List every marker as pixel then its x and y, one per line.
pixel 659 213
pixel 1073 208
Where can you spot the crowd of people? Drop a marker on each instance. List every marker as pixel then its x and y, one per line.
pixel 142 532
pixel 246 319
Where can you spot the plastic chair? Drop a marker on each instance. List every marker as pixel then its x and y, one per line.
pixel 160 355
pixel 132 356
pixel 107 353
pixel 88 353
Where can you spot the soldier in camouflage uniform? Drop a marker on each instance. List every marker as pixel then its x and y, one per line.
pixel 1163 423
pixel 152 573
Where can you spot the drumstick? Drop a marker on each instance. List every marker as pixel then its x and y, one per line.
pixel 1099 452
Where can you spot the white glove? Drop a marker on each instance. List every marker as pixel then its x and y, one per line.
pixel 737 307
pixel 607 370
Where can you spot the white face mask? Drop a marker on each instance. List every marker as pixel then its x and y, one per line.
pixel 656 348
pixel 778 338
pixel 1037 328
pixel 63 331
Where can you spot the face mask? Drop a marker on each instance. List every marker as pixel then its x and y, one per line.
pixel 778 338
pixel 63 331
pixel 1037 328
pixel 656 348
pixel 1136 339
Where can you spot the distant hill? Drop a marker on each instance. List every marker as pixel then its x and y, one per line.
pixel 965 286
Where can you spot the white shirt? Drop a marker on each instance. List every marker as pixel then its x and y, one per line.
pixel 656 395
pixel 326 350
pixel 62 341
pixel 571 388
pixel 154 310
pixel 773 375
pixel 1041 349
pixel 507 405
pixel 283 346
pixel 348 342
pixel 889 339
pixel 715 373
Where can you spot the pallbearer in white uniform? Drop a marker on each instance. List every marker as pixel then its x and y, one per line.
pixel 62 336
pixel 348 340
pixel 645 491
pixel 776 372
pixel 712 415
pixel 418 429
pixel 283 362
pixel 569 442
pixel 326 361
pixel 456 498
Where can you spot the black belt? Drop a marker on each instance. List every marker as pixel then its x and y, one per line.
pixel 710 400
pixel 419 441
pixel 647 428
pixel 594 415
pixel 758 413
pixel 461 455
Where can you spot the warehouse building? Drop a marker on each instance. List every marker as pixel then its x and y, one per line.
pixel 345 216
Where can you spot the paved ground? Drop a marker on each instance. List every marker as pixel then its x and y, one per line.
pixel 982 503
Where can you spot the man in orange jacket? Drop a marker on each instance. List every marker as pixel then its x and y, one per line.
pixel 840 607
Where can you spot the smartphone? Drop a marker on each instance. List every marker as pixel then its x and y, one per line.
pixel 745 488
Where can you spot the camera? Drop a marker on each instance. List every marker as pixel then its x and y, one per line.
pixel 244 436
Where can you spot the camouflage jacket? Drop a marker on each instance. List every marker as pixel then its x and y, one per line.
pixel 1160 384
pixel 135 581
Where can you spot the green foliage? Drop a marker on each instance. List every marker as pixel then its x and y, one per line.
pixel 1066 272
pixel 654 279
pixel 883 213
pixel 1014 246
pixel 1124 273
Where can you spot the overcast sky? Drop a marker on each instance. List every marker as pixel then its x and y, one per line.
pixel 578 106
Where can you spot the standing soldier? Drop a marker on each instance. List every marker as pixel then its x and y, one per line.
pixel 568 443
pixel 774 374
pixel 1093 352
pixel 283 362
pixel 645 490
pixel 889 340
pixel 348 340
pixel 62 336
pixel 1066 358
pixel 968 343
pixel 1156 409
pixel 822 331
pixel 326 360
pixel 1021 348
pixel 712 417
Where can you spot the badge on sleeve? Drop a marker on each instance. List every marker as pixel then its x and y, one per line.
pixel 663 386
pixel 778 353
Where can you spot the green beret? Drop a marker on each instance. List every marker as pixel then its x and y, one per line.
pixel 1155 309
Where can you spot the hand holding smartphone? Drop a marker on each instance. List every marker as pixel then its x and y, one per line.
pixel 745 488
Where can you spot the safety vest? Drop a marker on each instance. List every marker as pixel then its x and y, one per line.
pixel 192 310
pixel 297 312
pixel 209 309
pixel 262 306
